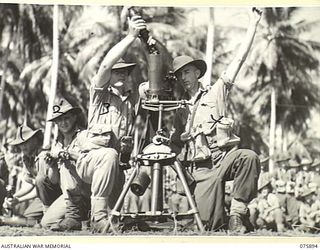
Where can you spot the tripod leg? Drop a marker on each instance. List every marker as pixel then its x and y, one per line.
pixel 118 205
pixel 156 198
pixel 189 196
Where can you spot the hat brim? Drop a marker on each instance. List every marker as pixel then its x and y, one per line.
pixel 124 65
pixel 264 160
pixel 19 141
pixel 307 193
pixel 199 64
pixel 54 117
pixel 282 189
pixel 316 163
pixel 264 185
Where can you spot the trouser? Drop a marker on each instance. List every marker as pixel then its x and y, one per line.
pixel 3 192
pixel 100 168
pixel 243 167
pixel 76 193
pixel 274 220
pixel 55 213
pixel 47 191
pixel 34 210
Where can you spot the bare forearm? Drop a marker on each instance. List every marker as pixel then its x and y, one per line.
pixel 28 196
pixel 234 68
pixel 117 52
pixel 135 25
pixel 26 188
pixel 110 59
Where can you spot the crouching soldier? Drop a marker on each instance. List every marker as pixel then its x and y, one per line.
pixel 293 205
pixel 307 216
pixel 269 210
pixel 72 207
pixel 35 184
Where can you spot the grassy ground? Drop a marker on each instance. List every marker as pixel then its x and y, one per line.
pixel 30 231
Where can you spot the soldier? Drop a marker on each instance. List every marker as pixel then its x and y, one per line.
pixel 281 167
pixel 67 212
pixel 281 194
pixel 293 205
pixel 315 174
pixel 270 213
pixel 109 123
pixel 3 178
pixel 196 134
pixel 303 176
pixel 30 141
pixel 315 208
pixel 307 217
pixel 293 168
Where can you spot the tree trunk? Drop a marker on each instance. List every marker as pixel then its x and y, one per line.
pixel 272 129
pixel 54 75
pixel 284 138
pixel 4 71
pixel 210 48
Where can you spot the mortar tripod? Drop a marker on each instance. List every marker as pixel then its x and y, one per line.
pixel 157 155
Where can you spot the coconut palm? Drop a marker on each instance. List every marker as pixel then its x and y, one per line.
pixel 26 27
pixel 282 64
pixel 283 60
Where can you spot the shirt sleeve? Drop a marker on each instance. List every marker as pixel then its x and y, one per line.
pixel 227 81
pixel 217 95
pixel 273 201
pixel 27 176
pixel 95 100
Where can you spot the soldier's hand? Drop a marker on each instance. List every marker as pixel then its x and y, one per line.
pixel 49 159
pixel 63 156
pixel 151 41
pixel 136 23
pixel 255 15
pixel 126 144
pixel 10 202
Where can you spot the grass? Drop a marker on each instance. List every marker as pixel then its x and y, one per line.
pixel 30 231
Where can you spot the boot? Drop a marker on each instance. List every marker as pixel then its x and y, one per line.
pixel 67 224
pixel 239 221
pixel 236 224
pixel 99 215
pixel 76 211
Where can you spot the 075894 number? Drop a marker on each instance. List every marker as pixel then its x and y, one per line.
pixel 308 246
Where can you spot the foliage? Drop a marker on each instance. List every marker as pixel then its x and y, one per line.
pixel 282 59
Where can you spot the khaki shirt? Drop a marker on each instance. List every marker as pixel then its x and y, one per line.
pixel 30 168
pixel 210 104
pixel 107 106
pixel 4 172
pixel 69 178
pixel 265 206
pixel 75 145
pixel 305 211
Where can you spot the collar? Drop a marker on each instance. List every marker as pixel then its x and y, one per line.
pixel 116 92
pixel 60 137
pixel 33 156
pixel 197 96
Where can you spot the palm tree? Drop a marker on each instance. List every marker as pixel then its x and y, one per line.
pixel 26 26
pixel 282 63
pixel 7 25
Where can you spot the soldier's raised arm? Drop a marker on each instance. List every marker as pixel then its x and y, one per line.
pixel 235 65
pixel 135 24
